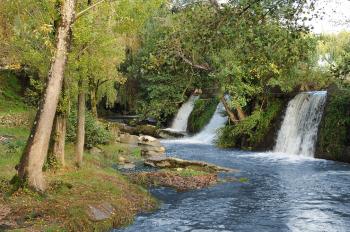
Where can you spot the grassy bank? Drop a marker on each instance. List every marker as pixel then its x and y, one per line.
pixel 65 205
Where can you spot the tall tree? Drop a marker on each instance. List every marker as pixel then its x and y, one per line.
pixel 33 158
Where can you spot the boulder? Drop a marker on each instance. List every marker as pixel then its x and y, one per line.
pixel 100 212
pixel 170 134
pixel 150 146
pixel 147 130
pixel 149 141
pixel 129 139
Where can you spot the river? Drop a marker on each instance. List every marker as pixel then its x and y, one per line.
pixel 283 193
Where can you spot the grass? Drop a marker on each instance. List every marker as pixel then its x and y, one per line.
pixel 71 190
pixel 64 205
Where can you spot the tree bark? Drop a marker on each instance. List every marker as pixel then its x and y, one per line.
pixel 34 155
pixel 79 145
pixel 93 98
pixel 231 114
pixel 241 114
pixel 59 138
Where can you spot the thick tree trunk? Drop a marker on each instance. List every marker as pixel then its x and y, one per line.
pixel 93 98
pixel 231 114
pixel 79 145
pixel 59 138
pixel 33 158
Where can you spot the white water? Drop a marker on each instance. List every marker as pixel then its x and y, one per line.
pixel 298 133
pixel 181 119
pixel 208 134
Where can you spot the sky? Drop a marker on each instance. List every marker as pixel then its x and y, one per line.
pixel 337 12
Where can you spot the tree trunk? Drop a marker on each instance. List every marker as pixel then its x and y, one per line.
pixel 79 145
pixel 33 157
pixel 59 138
pixel 231 114
pixel 93 96
pixel 241 114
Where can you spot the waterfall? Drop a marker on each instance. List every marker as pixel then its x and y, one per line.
pixel 208 134
pixel 298 133
pixel 181 119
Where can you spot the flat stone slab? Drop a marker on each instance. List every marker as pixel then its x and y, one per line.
pixel 170 162
pixel 100 212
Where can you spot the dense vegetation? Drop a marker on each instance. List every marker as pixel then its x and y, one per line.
pixel 73 60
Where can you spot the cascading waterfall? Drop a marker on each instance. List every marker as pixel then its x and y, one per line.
pixel 298 133
pixel 181 119
pixel 207 135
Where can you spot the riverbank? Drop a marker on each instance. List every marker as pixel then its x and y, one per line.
pixel 93 198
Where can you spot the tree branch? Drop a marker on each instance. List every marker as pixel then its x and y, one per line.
pixel 81 13
pixel 205 66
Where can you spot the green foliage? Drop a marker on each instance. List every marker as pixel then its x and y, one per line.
pixel 10 93
pixel 202 113
pixel 95 132
pixel 335 128
pixel 244 54
pixel 252 129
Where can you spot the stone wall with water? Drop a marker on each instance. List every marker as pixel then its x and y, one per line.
pixel 334 130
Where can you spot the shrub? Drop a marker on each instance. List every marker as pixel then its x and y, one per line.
pixel 95 132
pixel 335 127
pixel 202 113
pixel 253 129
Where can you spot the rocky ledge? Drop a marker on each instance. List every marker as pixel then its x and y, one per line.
pixel 182 175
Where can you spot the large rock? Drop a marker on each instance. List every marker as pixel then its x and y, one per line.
pixel 170 134
pixel 170 162
pixel 150 147
pixel 132 140
pixel 147 130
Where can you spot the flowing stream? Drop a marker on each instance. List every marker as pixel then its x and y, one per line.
pixel 283 193
pixel 181 119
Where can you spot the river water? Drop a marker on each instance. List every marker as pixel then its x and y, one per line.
pixel 283 193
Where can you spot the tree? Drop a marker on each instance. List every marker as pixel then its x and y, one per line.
pixel 33 158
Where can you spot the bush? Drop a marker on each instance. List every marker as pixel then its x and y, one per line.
pixel 252 130
pixel 335 127
pixel 95 132
pixel 202 113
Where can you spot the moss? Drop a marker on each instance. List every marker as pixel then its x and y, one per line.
pixel 202 113
pixel 251 131
pixel 334 132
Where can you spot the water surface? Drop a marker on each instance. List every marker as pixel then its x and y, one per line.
pixel 284 193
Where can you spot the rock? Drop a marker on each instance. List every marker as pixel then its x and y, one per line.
pixel 127 166
pixel 170 162
pixel 147 130
pixel 169 134
pixel 129 139
pixel 100 212
pixel 121 160
pixel 149 140
pixel 150 147
pixel 95 150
